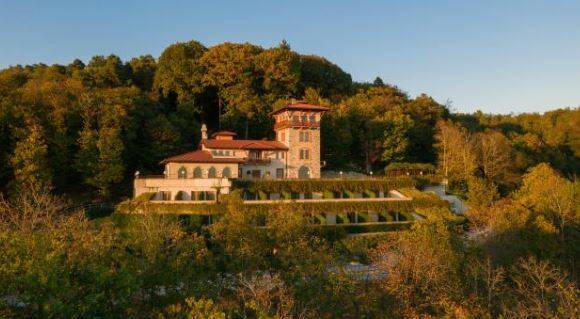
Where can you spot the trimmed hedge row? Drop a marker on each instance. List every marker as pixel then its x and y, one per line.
pixel 135 206
pixel 369 228
pixel 138 207
pixel 410 166
pixel 324 185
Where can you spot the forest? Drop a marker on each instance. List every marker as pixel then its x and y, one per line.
pixel 86 129
pixel 77 133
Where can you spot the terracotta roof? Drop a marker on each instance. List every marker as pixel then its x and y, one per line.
pixel 300 106
pixel 244 144
pixel 200 157
pixel 224 133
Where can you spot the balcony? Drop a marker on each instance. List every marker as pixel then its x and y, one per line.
pixel 292 123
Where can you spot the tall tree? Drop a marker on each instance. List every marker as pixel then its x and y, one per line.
pixel 29 160
pixel 179 72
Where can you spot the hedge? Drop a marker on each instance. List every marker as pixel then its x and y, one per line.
pixel 135 206
pixel 410 166
pixel 370 227
pixel 322 185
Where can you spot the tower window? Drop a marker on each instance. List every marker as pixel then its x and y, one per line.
pixel 304 154
pixel 312 118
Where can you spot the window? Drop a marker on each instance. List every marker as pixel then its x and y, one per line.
pixel 279 173
pixel 304 154
pixel 214 152
pixel 304 136
pixel 304 118
pixel 212 172
pixel 227 153
pixel 295 118
pixel 227 172
pixel 255 154
pixel 197 172
pixel 182 172
pixel 312 118
pixel 304 172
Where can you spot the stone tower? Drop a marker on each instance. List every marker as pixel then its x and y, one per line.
pixel 298 127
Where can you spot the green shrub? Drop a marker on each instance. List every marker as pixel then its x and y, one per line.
pixel 369 194
pixel 348 194
pixel 424 167
pixel 285 195
pixel 327 195
pixel 342 219
pixel 385 216
pixel 145 196
pixel 363 218
pixel 331 234
pixel 263 195
pixel 370 228
pixel 98 212
pixel 319 219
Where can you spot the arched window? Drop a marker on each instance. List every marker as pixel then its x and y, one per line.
pixel 211 173
pixel 197 172
pixel 182 172
pixel 304 172
pixel 227 172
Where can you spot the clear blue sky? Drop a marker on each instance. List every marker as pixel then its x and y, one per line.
pixel 498 56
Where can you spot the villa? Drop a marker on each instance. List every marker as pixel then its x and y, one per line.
pixel 201 174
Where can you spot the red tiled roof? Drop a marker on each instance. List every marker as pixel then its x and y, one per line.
pixel 244 144
pixel 224 133
pixel 200 157
pixel 300 106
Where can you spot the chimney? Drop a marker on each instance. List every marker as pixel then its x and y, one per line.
pixel 203 132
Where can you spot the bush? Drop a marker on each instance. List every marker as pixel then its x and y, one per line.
pixel 145 196
pixel 319 219
pixel 370 228
pixel 369 194
pixel 385 216
pixel 424 167
pixel 285 195
pixel 363 218
pixel 327 195
pixel 263 195
pixel 342 219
